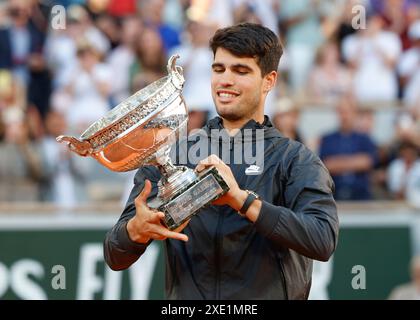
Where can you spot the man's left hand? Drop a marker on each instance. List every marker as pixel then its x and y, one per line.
pixel 235 197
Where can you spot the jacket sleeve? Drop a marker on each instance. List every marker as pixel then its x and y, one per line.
pixel 308 221
pixel 120 252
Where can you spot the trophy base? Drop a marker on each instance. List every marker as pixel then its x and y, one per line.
pixel 207 187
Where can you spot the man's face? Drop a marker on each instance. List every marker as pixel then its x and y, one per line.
pixel 238 89
pixel 347 116
pixel 416 275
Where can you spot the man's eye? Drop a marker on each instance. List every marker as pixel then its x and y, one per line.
pixel 218 70
pixel 242 72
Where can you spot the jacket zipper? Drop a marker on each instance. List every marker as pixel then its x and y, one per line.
pixel 219 238
pixel 284 280
pixel 217 255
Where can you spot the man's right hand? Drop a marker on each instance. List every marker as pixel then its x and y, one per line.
pixel 146 224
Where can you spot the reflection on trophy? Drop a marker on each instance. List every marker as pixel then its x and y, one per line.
pixel 140 131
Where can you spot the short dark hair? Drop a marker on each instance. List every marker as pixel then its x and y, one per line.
pixel 250 40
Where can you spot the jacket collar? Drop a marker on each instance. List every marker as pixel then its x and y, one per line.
pixel 217 123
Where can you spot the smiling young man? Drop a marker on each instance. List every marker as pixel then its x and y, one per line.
pixel 259 239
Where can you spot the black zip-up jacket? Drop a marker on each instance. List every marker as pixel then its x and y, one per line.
pixel 229 257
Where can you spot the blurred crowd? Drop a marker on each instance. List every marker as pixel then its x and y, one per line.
pixel 352 56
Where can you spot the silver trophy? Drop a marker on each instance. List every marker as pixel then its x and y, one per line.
pixel 140 131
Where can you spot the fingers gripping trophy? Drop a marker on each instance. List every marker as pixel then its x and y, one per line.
pixel 140 131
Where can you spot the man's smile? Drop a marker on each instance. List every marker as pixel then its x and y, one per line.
pixel 226 96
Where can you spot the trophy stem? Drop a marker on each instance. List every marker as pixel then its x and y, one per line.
pixel 167 169
pixel 174 179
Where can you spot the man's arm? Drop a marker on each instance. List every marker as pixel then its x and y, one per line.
pixel 308 223
pixel 120 251
pixel 340 164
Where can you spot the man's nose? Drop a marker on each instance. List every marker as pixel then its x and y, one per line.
pixel 227 79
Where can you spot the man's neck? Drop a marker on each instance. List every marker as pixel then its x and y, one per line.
pixel 346 130
pixel 232 127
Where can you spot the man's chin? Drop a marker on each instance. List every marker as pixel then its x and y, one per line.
pixel 228 115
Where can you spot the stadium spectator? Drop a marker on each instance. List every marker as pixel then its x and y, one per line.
pixel 300 20
pixel 19 41
pixel 61 183
pixel 349 156
pixel 404 172
pixel 61 45
pixel 286 118
pixel 122 58
pixel 345 23
pixel 408 126
pixel 150 62
pixel 89 86
pixel 110 28
pixel 329 79
pixel 151 12
pixel 395 14
pixel 195 58
pixel 122 8
pixel 21 51
pixel 373 53
pixel 12 92
pixel 409 67
pixel 88 29
pixel 257 11
pixel 20 159
pixel 411 290
pixel 365 121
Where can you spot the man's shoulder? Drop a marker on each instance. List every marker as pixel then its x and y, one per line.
pixel 303 168
pixel 337 135
pixel 331 135
pixel 291 146
pixel 292 152
pixel 363 140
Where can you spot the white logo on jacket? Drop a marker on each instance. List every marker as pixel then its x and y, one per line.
pixel 253 170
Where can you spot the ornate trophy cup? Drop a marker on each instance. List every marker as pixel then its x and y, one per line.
pixel 140 131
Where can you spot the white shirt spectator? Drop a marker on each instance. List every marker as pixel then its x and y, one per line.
pixel 400 178
pixel 413 186
pixel 97 39
pixel 88 104
pixel 409 68
pixel 303 38
pixel 219 12
pixel 60 51
pixel 63 186
pixel 120 61
pixel 374 81
pixel 197 72
pixel 264 10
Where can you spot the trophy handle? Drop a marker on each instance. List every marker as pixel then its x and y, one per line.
pixel 82 148
pixel 175 72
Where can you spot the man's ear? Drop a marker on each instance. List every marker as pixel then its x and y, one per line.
pixel 269 81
